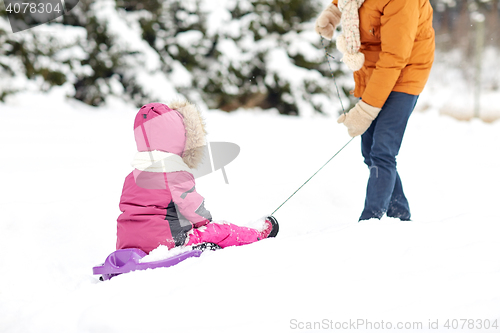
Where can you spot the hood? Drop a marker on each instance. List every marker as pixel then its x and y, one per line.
pixel 177 128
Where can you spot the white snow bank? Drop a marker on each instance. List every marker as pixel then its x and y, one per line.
pixel 62 169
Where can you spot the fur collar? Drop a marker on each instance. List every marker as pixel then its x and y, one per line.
pixel 195 132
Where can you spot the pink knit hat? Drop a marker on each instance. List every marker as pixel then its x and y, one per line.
pixel 178 129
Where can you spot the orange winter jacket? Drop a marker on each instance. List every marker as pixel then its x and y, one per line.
pixel 397 40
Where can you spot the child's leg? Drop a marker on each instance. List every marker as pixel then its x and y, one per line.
pixel 226 235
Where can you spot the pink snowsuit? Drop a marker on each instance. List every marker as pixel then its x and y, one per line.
pixel 159 202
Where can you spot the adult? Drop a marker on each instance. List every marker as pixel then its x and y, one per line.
pixel 389 45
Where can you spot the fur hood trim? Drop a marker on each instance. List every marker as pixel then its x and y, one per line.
pixel 195 132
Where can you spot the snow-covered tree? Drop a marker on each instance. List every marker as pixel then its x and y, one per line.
pixel 264 54
pixel 32 60
pixel 224 54
pixel 454 22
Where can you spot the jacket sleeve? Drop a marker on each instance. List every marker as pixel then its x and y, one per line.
pixel 189 204
pixel 398 29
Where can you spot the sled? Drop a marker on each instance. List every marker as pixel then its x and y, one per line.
pixel 129 260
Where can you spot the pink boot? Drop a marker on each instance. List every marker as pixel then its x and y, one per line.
pixel 271 228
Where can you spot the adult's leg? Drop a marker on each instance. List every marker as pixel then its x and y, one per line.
pixel 380 146
pixel 398 206
pixel 367 142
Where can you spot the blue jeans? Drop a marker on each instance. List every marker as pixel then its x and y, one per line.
pixel 380 145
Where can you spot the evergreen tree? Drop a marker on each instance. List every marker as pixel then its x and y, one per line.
pixel 266 54
pixel 226 53
pixel 30 60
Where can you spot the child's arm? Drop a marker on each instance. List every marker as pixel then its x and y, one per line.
pixel 188 202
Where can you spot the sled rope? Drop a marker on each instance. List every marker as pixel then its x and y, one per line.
pixel 343 110
pixel 331 158
pixel 327 54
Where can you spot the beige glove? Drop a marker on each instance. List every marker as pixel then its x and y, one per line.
pixel 327 21
pixel 359 118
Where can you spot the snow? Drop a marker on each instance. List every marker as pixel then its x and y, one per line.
pixel 62 169
pixel 218 14
pixel 162 252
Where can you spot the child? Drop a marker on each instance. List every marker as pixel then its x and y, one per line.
pixel 159 202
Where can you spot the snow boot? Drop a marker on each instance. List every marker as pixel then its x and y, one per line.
pixel 271 228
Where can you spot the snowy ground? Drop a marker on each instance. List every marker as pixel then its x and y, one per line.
pixel 61 172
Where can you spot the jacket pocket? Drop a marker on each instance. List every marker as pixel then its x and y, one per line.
pixel 360 82
pixel 375 26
